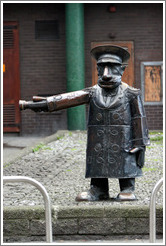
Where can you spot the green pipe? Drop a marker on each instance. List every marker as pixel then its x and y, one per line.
pixel 75 61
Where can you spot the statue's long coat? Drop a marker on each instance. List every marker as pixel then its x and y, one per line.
pixel 116 124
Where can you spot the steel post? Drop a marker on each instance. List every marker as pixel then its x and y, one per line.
pixel 75 61
pixel 41 188
pixel 152 218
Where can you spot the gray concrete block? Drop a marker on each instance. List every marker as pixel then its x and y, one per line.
pixel 24 239
pixel 159 211
pixel 102 226
pixel 65 226
pixel 80 212
pixel 126 211
pixel 159 225
pixel 24 212
pixel 37 227
pixel 137 225
pixel 16 227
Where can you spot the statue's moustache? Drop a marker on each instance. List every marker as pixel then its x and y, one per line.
pixel 113 79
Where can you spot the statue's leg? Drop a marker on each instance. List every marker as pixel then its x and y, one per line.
pixel 127 187
pixel 101 183
pixel 99 190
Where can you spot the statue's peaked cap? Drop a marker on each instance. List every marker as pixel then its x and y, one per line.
pixel 110 53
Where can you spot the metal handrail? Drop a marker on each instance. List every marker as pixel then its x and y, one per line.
pixel 47 203
pixel 48 218
pixel 152 218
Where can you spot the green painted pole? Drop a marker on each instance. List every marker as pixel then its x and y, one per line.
pixel 75 61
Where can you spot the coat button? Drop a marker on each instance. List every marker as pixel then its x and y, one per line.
pixel 115 148
pixel 100 133
pixel 98 147
pixel 99 117
pixel 115 116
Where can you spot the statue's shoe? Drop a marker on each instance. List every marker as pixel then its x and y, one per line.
pixel 125 197
pixel 93 194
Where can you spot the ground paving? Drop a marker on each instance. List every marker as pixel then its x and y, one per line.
pixel 63 176
pixel 58 162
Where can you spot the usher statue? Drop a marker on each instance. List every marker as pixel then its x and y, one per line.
pixel 117 127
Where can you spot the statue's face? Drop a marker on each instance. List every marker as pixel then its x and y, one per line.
pixel 109 75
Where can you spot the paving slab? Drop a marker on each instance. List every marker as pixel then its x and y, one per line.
pixel 14 144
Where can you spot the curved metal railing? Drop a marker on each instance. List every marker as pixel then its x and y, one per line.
pixel 47 203
pixel 152 218
pixel 42 189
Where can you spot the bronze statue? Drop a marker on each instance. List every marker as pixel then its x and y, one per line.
pixel 117 127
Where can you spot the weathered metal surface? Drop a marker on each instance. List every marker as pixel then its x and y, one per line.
pixel 57 102
pixel 67 100
pixel 128 75
pixel 110 134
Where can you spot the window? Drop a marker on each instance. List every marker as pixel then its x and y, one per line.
pixel 152 82
pixel 47 30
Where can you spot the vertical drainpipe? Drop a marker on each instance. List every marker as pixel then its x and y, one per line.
pixel 75 61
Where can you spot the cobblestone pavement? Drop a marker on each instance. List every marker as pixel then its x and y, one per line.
pixel 60 167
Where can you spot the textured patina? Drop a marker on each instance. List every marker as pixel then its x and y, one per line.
pixel 111 125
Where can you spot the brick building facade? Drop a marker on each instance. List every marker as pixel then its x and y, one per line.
pixel 43 62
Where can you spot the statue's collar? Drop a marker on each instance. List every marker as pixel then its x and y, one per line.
pixel 109 92
pixel 109 98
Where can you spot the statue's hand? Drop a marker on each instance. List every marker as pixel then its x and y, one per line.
pixel 33 105
pixel 134 150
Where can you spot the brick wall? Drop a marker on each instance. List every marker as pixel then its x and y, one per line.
pixel 43 68
pixel 154 117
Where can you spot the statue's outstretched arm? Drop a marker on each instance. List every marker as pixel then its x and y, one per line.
pixel 57 102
